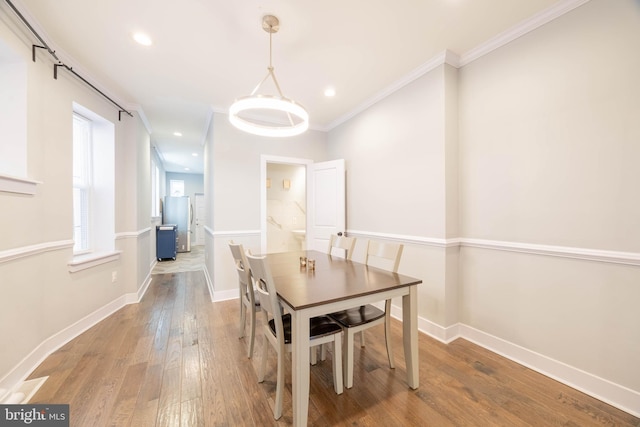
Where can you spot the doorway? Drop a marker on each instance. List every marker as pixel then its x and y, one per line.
pixel 286 207
pixel 278 225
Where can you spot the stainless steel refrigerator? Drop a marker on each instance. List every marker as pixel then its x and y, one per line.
pixel 177 210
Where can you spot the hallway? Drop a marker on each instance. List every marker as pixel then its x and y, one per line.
pixel 185 261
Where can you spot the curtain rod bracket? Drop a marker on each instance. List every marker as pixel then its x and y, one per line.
pixel 33 51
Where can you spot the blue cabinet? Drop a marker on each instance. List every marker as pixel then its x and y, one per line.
pixel 166 241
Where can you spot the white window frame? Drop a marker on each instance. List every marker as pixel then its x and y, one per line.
pixel 155 189
pixel 176 187
pixel 82 183
pixel 101 209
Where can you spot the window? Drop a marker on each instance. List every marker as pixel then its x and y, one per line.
pixel 13 123
pixel 81 182
pixel 155 189
pixel 93 185
pixel 177 187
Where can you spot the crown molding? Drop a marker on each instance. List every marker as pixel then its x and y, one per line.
pixel 458 61
pixel 138 109
pixel 445 57
pixel 524 27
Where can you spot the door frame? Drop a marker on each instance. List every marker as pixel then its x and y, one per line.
pixel 264 160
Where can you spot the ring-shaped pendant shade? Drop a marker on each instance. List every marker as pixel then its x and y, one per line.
pixel 270 103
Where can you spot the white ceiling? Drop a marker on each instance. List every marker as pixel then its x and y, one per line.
pixel 206 53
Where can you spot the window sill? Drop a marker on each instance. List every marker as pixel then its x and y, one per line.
pixel 13 184
pixel 83 262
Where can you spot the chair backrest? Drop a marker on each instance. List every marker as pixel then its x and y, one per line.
pixel 266 290
pixel 384 255
pixel 242 267
pixel 342 244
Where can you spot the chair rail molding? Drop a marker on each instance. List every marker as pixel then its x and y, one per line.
pixel 132 234
pixel 599 255
pixel 26 251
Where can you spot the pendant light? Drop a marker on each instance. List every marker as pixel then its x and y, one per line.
pixel 269 115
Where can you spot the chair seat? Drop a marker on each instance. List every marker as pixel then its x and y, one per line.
pixel 357 316
pixel 318 327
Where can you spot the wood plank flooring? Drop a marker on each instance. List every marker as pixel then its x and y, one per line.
pixel 175 359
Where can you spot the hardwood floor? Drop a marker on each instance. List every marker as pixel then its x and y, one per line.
pixel 175 359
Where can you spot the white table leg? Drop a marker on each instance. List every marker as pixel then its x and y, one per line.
pixel 300 367
pixel 410 335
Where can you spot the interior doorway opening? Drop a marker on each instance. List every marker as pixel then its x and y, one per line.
pixel 286 211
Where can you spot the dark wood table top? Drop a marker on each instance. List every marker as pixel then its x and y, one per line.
pixel 334 279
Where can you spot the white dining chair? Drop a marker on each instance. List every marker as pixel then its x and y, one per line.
pixel 277 331
pixel 341 245
pixel 358 319
pixel 248 302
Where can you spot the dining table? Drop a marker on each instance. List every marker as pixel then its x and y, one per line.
pixel 336 284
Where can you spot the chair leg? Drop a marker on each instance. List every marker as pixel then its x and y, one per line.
pixel 348 359
pixel 252 336
pixel 243 316
pixel 277 409
pixel 387 332
pixel 263 362
pixel 323 352
pixel 361 338
pixel 338 384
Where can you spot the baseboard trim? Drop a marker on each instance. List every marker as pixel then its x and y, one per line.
pixel 614 394
pixel 27 365
pixel 225 295
pixel 207 277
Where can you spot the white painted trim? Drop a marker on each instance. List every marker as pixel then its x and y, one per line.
pixel 614 394
pixel 457 61
pixel 524 27
pixel 232 233
pixel 27 365
pixel 26 251
pixel 599 255
pixel 225 295
pixel 13 184
pixel 418 240
pixel 614 257
pixel 92 260
pixel 143 117
pixel 132 234
pixel 445 57
pixel 209 281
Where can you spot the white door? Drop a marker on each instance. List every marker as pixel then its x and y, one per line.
pixel 200 207
pixel 326 203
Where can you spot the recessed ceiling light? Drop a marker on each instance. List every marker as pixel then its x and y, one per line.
pixel 329 92
pixel 142 38
pixel 177 134
pixel 194 154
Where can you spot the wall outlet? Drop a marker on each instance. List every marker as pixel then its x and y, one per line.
pixel 114 276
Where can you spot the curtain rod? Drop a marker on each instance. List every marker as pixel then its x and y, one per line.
pixel 60 63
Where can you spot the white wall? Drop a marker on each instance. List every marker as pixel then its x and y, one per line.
pixel 549 142
pixel 234 178
pixel 401 161
pixel 43 304
pixel 505 180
